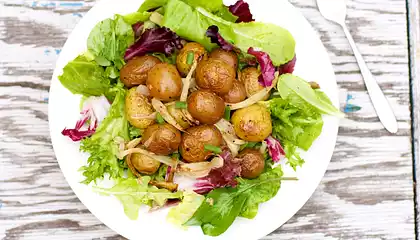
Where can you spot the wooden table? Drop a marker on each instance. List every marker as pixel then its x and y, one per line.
pixel 367 192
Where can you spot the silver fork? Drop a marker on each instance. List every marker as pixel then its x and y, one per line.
pixel 335 11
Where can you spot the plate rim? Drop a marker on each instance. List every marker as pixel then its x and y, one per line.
pixel 272 226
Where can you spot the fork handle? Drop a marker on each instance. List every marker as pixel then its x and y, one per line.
pixel 380 103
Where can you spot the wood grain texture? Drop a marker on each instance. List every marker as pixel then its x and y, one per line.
pixel 367 192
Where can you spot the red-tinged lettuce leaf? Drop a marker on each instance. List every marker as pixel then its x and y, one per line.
pixel 161 40
pixel 138 29
pixel 241 10
pixel 275 150
pixel 288 67
pixel 215 37
pixel 220 177
pixel 94 111
pixel 267 68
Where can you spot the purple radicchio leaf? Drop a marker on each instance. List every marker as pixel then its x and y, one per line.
pixel 220 177
pixel 215 37
pixel 241 10
pixel 94 111
pixel 267 68
pixel 288 67
pixel 161 40
pixel 275 150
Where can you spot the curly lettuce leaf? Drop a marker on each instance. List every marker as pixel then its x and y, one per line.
pixel 190 203
pixel 108 41
pixel 101 145
pixel 270 38
pixel 84 76
pixel 223 205
pixel 133 193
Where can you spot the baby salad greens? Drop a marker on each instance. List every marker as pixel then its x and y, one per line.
pixel 197 89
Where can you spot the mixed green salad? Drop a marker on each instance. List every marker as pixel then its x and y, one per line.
pixel 192 89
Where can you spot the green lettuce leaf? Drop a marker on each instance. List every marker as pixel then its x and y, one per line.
pixel 133 193
pixel 223 205
pixel 101 145
pixel 136 17
pixel 190 203
pixel 151 4
pixel 274 40
pixel 224 13
pixel 289 84
pixel 108 41
pixel 85 77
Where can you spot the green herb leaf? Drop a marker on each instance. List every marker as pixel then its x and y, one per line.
pixel 223 205
pixel 133 193
pixel 159 119
pixel 134 132
pixel 181 105
pixel 212 148
pixel 171 59
pixel 270 38
pixel 227 113
pixel 82 76
pixel 190 58
pixel 289 84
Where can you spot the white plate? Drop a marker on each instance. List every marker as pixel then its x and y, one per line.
pixel 313 65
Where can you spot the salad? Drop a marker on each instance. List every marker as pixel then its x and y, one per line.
pixel 192 105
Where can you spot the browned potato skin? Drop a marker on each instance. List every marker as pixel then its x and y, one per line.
pixel 193 141
pixel 249 77
pixel 252 123
pixel 144 164
pixel 252 163
pixel 215 75
pixel 227 56
pixel 164 82
pixel 135 72
pixel 205 106
pixel 236 94
pixel 162 139
pixel 137 104
pixel 181 59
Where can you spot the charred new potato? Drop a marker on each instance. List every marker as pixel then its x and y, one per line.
pixel 164 82
pixel 215 75
pixel 181 60
pixel 252 163
pixel 144 164
pixel 193 141
pixel 236 94
pixel 249 77
pixel 137 109
pixel 227 56
pixel 206 106
pixel 135 72
pixel 179 117
pixel 252 123
pixel 162 139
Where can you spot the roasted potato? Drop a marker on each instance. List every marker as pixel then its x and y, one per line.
pixel 205 106
pixel 194 139
pixel 252 123
pixel 164 82
pixel 252 163
pixel 215 75
pixel 227 56
pixel 249 77
pixel 137 109
pixel 181 60
pixel 179 117
pixel 162 139
pixel 135 72
pixel 144 164
pixel 236 94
